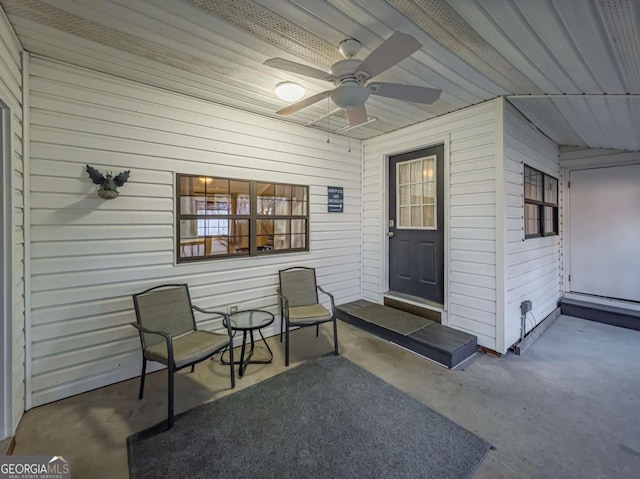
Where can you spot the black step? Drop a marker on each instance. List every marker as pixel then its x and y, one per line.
pixel 601 313
pixel 442 344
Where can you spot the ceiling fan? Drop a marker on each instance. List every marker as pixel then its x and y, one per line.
pixel 350 76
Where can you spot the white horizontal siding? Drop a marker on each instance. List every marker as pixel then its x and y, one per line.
pixel 11 95
pixel 471 289
pixel 89 255
pixel 533 266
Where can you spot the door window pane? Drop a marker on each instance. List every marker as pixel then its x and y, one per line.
pixel 416 216
pixel 403 174
pixel 428 169
pixel 429 193
pixel 429 217
pixel 416 194
pixel 405 217
pixel 405 196
pixel 420 193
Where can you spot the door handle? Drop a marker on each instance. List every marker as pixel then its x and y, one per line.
pixel 390 234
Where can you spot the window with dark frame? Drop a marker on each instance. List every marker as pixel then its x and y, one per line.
pixel 540 204
pixel 225 217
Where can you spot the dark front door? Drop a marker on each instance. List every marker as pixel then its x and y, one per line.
pixel 416 223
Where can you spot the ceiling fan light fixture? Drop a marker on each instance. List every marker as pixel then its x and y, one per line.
pixel 289 91
pixel 349 95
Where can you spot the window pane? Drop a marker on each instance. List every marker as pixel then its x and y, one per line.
pixel 283 191
pixel 403 177
pixel 238 229
pixel 266 206
pixel 283 207
pixel 532 184
pixel 550 214
pixel 416 216
pixel 189 229
pixel 265 227
pixel 299 208
pixel 299 203
pixel 189 204
pixel 281 227
pixel 216 205
pixel 267 190
pixel 264 242
pixel 191 245
pixel 191 186
pixel 216 187
pixel 282 242
pixel 531 219
pixel 299 193
pixel 428 216
pixel 405 198
pixel 550 190
pixel 298 241
pixel 216 245
pixel 298 226
pixel 240 199
pixel 238 237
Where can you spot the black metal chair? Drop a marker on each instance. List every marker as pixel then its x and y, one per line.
pixel 299 304
pixel 169 335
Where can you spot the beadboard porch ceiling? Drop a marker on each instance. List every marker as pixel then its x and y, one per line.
pixel 572 67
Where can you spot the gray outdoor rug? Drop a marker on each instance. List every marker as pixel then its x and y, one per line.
pixel 326 418
pixel 390 318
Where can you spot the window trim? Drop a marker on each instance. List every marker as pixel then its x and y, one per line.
pixel 252 217
pixel 541 206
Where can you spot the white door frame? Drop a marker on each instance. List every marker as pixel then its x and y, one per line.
pixel 424 142
pixel 6 278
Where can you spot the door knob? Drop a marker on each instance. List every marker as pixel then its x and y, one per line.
pixel 390 234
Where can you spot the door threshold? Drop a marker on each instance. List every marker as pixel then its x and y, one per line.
pixel 415 300
pixel 591 298
pixel 418 306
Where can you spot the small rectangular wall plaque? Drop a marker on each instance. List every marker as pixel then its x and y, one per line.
pixel 335 199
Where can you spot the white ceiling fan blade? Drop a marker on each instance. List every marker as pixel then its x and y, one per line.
pixel 299 68
pixel 304 103
pixel 416 94
pixel 393 50
pixel 357 115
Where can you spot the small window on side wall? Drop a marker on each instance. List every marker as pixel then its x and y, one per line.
pixel 224 217
pixel 540 204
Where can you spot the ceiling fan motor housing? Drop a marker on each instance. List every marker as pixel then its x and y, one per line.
pixel 345 69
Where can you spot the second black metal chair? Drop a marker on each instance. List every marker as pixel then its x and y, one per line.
pixel 300 306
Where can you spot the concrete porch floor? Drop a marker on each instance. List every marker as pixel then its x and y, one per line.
pixel 568 408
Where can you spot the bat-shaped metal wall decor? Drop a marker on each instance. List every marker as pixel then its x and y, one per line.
pixel 108 183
